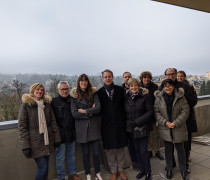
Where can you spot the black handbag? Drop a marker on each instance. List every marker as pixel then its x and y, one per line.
pixel 141 132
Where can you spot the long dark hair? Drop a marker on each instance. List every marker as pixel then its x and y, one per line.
pixel 88 92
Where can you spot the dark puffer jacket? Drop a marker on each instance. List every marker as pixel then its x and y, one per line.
pixel 139 110
pixel 66 123
pixel 28 125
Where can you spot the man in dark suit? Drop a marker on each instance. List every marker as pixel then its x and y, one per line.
pixel 113 130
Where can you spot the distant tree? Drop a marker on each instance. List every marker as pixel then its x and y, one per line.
pixel 9 103
pixel 202 89
pixel 19 88
pixel 207 87
pixel 10 99
pixel 53 87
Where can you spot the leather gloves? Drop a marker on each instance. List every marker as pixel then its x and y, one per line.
pixel 27 152
pixel 56 145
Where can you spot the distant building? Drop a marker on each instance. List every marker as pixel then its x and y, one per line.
pixel 208 75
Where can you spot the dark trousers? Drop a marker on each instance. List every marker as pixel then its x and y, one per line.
pixel 94 147
pixel 131 148
pixel 187 147
pixel 42 165
pixel 141 147
pixel 169 146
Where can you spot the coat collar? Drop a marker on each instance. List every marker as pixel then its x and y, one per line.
pixel 144 91
pixel 178 93
pixel 74 94
pixel 26 98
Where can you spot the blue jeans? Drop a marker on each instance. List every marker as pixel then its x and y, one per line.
pixel 42 164
pixel 65 151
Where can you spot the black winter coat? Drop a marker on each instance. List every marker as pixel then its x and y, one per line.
pixel 140 110
pixel 113 118
pixel 66 123
pixel 151 88
pixel 191 97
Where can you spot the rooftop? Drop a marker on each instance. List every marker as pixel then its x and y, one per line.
pixel 199 165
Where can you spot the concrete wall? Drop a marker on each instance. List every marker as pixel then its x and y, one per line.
pixel 13 165
pixel 202 112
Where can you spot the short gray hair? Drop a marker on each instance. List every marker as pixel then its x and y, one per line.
pixel 62 82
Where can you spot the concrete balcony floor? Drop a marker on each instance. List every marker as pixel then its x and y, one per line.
pixel 199 165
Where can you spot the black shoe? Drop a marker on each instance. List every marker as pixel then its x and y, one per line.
pixel 174 165
pixel 184 175
pixel 159 155
pixel 140 175
pixel 148 176
pixel 150 154
pixel 169 174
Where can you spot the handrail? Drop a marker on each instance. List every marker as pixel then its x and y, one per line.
pixel 12 124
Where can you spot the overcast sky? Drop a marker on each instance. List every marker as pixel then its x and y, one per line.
pixel 88 36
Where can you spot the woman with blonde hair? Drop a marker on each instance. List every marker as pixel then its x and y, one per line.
pixel 139 112
pixel 38 130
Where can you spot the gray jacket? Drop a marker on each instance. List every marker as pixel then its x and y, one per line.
pixel 180 113
pixel 88 126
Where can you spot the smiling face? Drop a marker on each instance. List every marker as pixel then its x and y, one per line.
pixel 107 78
pixel 146 80
pixel 180 77
pixel 134 87
pixel 63 90
pixel 38 93
pixel 83 84
pixel 168 88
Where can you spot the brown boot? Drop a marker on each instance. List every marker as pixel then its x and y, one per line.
pixel 122 175
pixel 74 177
pixel 113 176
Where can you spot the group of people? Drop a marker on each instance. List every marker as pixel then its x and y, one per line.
pixel 135 114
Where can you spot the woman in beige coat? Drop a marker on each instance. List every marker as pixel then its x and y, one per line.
pixel 171 111
pixel 38 130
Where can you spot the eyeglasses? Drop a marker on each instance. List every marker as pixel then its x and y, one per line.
pixel 172 74
pixel 64 89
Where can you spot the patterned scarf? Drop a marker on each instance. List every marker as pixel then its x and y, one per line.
pixel 135 95
pixel 110 89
